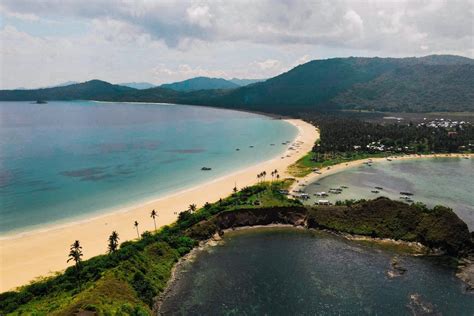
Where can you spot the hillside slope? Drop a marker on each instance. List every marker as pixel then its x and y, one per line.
pixel 200 83
pixel 430 83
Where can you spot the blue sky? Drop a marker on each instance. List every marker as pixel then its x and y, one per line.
pixel 48 42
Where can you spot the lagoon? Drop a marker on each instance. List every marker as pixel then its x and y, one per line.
pixel 433 181
pixel 287 271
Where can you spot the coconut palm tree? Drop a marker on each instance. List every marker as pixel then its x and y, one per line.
pixel 136 227
pixel 192 208
pixel 153 214
pixel 113 242
pixel 75 253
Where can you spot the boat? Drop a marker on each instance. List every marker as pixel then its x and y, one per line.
pixel 389 159
pixel 379 188
pixel 41 102
pixel 322 202
pixel 237 149
pixel 251 146
pixel 406 193
pixel 344 187
pixel 375 191
pixel 321 194
pixel 206 168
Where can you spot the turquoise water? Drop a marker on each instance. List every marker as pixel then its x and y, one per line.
pixel 297 272
pixel 65 160
pixel 443 181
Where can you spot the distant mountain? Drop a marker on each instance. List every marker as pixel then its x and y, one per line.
pixel 200 83
pixel 245 82
pixel 67 83
pixel 431 83
pixel 89 90
pixel 138 85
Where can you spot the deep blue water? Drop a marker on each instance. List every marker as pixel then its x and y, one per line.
pixel 298 272
pixel 65 160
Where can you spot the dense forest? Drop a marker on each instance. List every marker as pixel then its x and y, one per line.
pixel 342 136
pixel 431 83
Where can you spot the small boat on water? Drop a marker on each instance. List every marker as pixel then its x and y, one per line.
pixel 379 188
pixel 344 187
pixel 406 193
pixel 41 102
pixel 237 149
pixel 206 168
pixel 375 191
pixel 389 159
pixel 251 146
pixel 322 202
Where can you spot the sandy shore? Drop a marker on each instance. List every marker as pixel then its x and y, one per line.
pixel 18 266
pixel 312 177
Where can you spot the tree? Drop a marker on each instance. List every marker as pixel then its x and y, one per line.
pixel 192 208
pixel 153 214
pixel 113 242
pixel 136 227
pixel 75 254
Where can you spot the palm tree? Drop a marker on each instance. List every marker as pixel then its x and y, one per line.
pixel 136 227
pixel 153 214
pixel 75 253
pixel 192 208
pixel 113 242
pixel 235 189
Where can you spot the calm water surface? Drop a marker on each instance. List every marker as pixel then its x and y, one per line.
pixel 296 272
pixel 65 160
pixel 443 181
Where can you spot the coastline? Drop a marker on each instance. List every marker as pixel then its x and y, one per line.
pixel 312 177
pixel 18 267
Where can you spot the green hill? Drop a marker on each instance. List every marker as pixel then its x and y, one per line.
pixel 200 83
pixel 431 83
pixel 89 90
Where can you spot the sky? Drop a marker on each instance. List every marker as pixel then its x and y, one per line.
pixel 48 42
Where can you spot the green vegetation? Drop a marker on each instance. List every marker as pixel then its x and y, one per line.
pixel 128 280
pixel 125 281
pixel 344 139
pixel 436 228
pixel 200 83
pixel 431 83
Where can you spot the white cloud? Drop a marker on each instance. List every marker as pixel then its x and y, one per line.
pixel 199 15
pixel 126 40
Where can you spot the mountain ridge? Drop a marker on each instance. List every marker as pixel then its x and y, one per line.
pixel 412 84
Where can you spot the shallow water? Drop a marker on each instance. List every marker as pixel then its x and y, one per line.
pixel 298 272
pixel 65 160
pixel 437 181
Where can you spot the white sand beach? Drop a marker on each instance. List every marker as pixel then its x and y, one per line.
pixel 50 246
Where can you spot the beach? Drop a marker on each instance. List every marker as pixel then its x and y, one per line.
pixel 51 244
pixel 324 172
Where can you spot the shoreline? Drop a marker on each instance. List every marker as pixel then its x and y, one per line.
pixel 464 270
pixel 312 177
pixel 17 267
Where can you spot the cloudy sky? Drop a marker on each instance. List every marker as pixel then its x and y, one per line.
pixel 46 42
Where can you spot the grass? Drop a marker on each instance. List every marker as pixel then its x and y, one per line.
pixel 306 164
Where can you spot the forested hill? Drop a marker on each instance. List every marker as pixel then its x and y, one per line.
pixel 431 83
pixel 200 83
